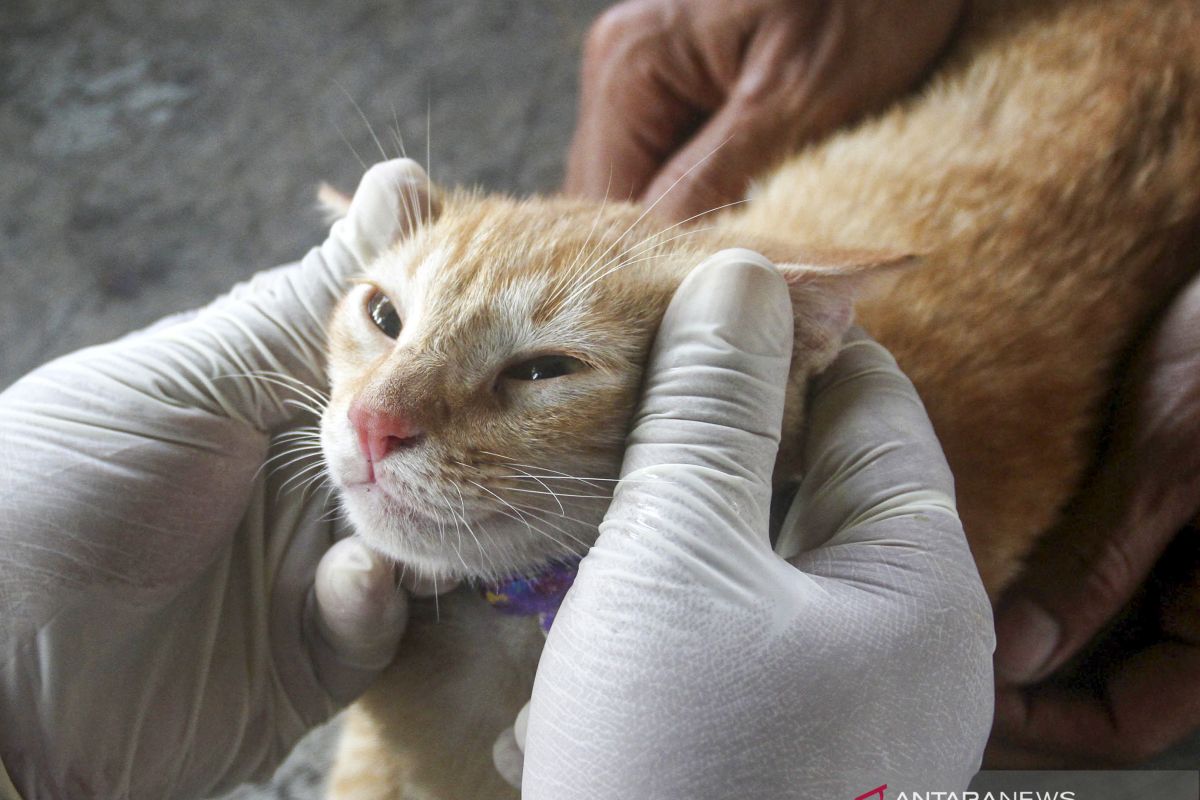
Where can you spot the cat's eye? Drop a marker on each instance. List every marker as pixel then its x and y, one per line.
pixel 543 368
pixel 383 313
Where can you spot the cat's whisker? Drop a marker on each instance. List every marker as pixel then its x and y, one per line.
pixel 579 261
pixel 411 206
pixel 622 265
pixel 562 494
pixel 560 529
pixel 428 158
pixel 319 466
pixel 498 497
pixel 470 531
pixel 270 379
pixel 666 192
pixel 314 392
pixel 546 487
pixel 303 406
pixel 367 122
pixel 457 528
pixel 299 453
pixel 654 238
pixel 538 509
pixel 354 152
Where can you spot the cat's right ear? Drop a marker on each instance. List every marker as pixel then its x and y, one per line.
pixel 418 200
pixel 825 287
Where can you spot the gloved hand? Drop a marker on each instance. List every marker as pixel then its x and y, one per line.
pixel 689 660
pixel 172 617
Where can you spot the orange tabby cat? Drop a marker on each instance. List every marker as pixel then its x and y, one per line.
pixel 1050 179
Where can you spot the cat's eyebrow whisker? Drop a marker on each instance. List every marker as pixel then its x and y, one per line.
pixel 578 262
pixel 622 265
pixel 411 207
pixel 354 152
pixel 366 121
pixel 666 192
pixel 654 238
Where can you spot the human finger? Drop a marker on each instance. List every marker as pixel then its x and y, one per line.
pixel 359 615
pixel 703 442
pixel 1147 488
pixel 631 117
pixel 1148 703
pixel 870 455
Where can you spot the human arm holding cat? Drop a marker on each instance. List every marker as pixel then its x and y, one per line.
pixel 171 619
pixel 690 660
pixel 1128 531
pixel 710 95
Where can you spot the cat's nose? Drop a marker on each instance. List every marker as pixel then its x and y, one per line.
pixel 382 432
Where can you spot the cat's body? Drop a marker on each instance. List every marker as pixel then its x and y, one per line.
pixel 1050 178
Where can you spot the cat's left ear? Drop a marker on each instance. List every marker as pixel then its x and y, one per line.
pixel 826 286
pixel 418 200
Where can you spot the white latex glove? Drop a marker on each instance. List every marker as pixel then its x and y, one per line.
pixel 171 622
pixel 689 660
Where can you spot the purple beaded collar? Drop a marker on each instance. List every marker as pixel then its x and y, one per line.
pixel 540 593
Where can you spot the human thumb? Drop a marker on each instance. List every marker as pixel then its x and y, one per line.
pixel 357 616
pixel 704 440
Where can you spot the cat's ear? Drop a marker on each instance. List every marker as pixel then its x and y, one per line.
pixel 825 287
pixel 420 200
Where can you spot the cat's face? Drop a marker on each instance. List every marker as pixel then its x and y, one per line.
pixel 485 370
pixel 482 379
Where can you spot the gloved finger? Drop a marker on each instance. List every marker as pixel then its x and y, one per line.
pixel 359 615
pixel 246 354
pixel 870 455
pixel 1147 488
pixel 703 442
pixel 508 752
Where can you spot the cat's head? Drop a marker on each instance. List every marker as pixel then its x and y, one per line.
pixel 484 371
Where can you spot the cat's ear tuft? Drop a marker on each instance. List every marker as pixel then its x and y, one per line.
pixel 824 289
pixel 332 204
pixel 415 201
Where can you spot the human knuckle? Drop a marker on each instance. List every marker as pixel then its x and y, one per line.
pixel 1112 572
pixel 617 29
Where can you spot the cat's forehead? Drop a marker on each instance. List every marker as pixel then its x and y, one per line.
pixel 544 256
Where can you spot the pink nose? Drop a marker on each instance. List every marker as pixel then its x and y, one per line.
pixel 380 432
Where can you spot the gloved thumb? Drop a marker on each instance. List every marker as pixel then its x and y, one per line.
pixel 357 615
pixel 704 440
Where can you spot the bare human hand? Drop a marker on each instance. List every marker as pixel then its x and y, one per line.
pixel 1084 675
pixel 711 94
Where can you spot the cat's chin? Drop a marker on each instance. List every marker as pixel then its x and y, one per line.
pixel 488 549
